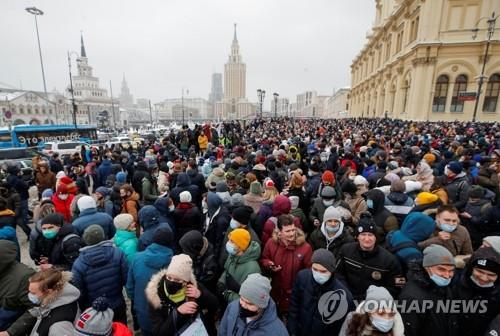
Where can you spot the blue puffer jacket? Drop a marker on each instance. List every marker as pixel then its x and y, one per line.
pixel 103 172
pixel 416 227
pixel 149 221
pixel 90 216
pixel 9 233
pixel 267 324
pixel 142 268
pixel 161 204
pixel 100 270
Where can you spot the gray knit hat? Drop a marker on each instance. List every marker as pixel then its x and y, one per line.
pixel 494 242
pixel 332 213
pixel 123 221
pixel 328 192
pixel 256 188
pixel 437 255
pixel 256 289
pixel 93 235
pixel 325 258
pixel 96 320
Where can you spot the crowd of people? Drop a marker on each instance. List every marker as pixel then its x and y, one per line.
pixel 267 227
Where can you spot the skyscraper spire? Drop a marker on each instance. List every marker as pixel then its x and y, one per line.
pixel 235 38
pixel 82 52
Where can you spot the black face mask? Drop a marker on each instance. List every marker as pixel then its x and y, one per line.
pixel 172 286
pixel 245 313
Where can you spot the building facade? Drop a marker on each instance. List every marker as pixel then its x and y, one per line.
pixel 216 92
pixel 337 106
pixel 90 98
pixel 196 109
pixel 309 105
pixel 20 107
pixel 420 56
pixel 234 105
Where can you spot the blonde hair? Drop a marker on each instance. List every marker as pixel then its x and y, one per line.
pixel 270 193
pixel 49 279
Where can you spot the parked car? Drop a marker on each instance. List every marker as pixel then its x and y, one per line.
pixel 119 140
pixel 22 158
pixel 63 148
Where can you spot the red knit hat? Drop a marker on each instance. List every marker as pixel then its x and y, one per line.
pixel 328 177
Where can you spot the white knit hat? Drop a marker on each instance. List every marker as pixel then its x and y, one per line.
pixel 181 266
pixel 185 197
pixel 60 174
pixel 360 180
pixel 123 221
pixel 86 202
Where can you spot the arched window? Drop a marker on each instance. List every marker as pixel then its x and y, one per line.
pixel 457 105
pixel 491 94
pixel 440 93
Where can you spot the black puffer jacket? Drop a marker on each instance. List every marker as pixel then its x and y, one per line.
pixel 359 269
pixel 488 299
pixel 429 323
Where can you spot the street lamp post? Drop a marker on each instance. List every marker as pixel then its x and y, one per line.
pixel 275 104
pixel 71 90
pixel 261 94
pixel 35 12
pixel 489 34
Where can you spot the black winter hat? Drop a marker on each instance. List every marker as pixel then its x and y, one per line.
pixel 192 243
pixel 243 214
pixel 349 187
pixel 54 219
pixel 325 258
pixel 366 224
pixel 163 236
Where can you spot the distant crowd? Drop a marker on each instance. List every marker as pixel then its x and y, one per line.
pixel 248 228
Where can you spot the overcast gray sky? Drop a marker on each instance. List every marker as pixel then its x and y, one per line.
pixel 289 46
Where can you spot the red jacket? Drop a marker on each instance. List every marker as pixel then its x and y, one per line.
pixel 63 207
pixel 292 259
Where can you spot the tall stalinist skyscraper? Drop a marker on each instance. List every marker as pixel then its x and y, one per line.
pixel 234 105
pixel 235 73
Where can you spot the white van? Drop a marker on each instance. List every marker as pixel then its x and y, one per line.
pixel 63 148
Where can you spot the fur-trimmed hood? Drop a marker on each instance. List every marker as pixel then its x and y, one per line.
pixel 155 298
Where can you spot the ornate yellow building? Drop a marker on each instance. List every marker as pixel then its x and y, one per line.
pixel 420 55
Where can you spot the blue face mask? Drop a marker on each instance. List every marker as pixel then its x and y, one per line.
pixel 332 229
pixel 321 278
pixel 381 324
pixel 33 298
pixel 49 234
pixel 234 224
pixel 447 227
pixel 369 203
pixel 231 249
pixel 440 281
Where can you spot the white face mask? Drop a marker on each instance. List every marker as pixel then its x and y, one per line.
pixel 63 197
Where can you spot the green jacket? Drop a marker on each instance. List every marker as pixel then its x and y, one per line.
pixel 127 242
pixel 14 282
pixel 149 192
pixel 239 267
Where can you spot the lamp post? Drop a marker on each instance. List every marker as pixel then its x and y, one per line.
pixel 71 90
pixel 35 12
pixel 261 95
pixel 275 95
pixel 489 34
